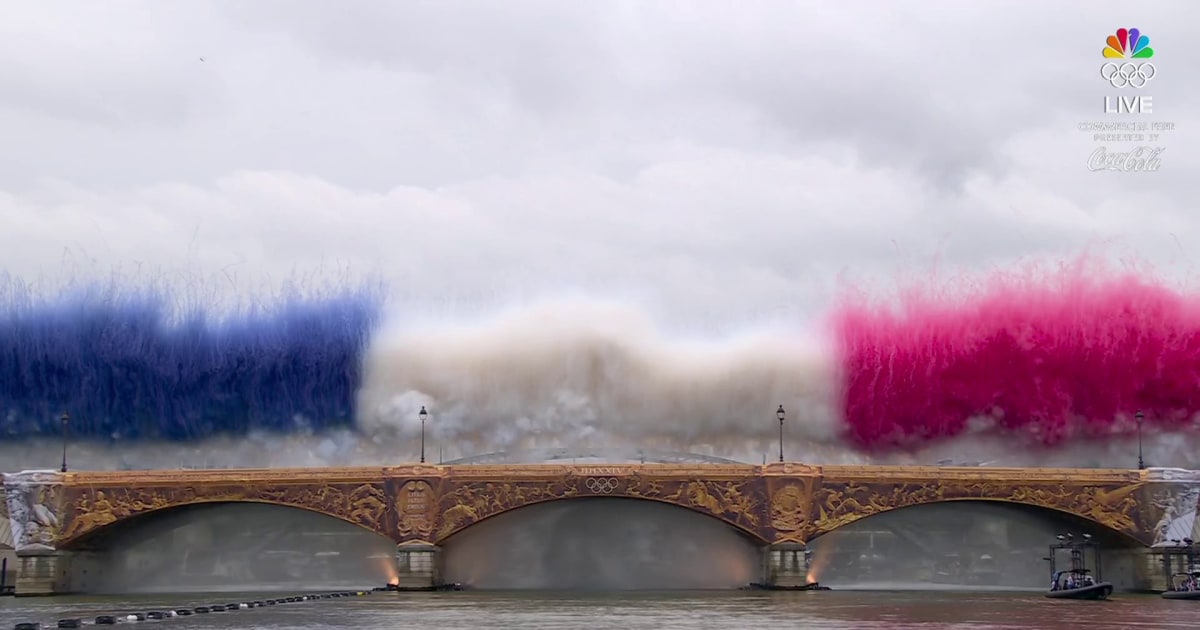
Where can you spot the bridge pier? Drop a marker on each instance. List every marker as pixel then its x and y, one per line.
pixel 786 565
pixel 417 566
pixel 42 572
pixel 1148 573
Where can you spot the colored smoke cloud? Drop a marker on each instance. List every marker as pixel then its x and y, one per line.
pixel 574 373
pixel 1049 355
pixel 1058 357
pixel 152 363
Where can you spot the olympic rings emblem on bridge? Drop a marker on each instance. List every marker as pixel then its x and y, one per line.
pixel 1135 75
pixel 601 485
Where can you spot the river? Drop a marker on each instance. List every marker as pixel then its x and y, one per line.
pixel 833 610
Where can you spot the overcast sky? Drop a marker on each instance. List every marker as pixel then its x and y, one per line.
pixel 712 162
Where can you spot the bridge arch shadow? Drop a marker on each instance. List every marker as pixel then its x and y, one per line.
pixel 695 498
pixel 969 543
pixel 1067 518
pixel 100 535
pixel 601 542
pixel 227 546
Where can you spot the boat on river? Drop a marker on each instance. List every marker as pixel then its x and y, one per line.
pixel 811 586
pixel 1181 567
pixel 1078 584
pixel 1184 586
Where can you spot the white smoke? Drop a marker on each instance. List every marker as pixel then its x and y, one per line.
pixel 347 447
pixel 583 373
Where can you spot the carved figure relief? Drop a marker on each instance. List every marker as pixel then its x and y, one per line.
pixel 31 501
pixel 6 537
pixel 732 501
pixel 1177 518
pixel 93 508
pixel 789 508
pixel 470 502
pixel 838 505
pixel 414 507
pixel 434 503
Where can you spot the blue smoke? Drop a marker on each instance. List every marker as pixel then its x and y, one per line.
pixel 144 364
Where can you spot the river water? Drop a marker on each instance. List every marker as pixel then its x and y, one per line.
pixel 737 610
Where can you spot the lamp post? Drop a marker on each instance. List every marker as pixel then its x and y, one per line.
pixel 424 414
pixel 66 424
pixel 1140 417
pixel 779 413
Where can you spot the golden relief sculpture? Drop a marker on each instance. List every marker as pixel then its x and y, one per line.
pixel 790 506
pixel 734 501
pixel 89 509
pixel 836 505
pixel 472 501
pixel 737 502
pixel 414 510
pixel 785 502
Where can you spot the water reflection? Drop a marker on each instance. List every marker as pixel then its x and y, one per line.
pixel 670 611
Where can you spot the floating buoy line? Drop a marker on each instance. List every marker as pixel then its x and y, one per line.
pixel 172 613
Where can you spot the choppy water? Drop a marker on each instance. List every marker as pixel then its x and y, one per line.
pixel 834 610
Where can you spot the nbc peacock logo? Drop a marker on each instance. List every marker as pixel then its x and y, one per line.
pixel 1128 44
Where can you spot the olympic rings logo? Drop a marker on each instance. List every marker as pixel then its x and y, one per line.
pixel 1128 74
pixel 601 485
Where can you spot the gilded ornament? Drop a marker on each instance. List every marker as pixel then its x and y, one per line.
pixel 788 502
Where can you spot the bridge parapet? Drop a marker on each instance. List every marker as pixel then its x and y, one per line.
pixel 566 470
pixel 978 473
pixel 1172 474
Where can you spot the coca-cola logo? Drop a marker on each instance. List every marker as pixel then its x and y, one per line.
pixel 1143 159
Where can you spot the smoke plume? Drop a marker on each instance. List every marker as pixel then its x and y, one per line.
pixel 1068 354
pixel 1031 366
pixel 585 374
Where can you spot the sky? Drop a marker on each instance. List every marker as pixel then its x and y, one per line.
pixel 706 168
pixel 713 163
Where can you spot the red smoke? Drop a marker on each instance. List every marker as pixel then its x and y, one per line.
pixel 1071 354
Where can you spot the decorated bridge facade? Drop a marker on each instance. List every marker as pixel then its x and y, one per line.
pixel 421 507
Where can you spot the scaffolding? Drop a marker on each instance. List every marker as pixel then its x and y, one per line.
pixel 1077 549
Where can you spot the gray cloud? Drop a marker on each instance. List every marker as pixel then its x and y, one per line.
pixel 716 164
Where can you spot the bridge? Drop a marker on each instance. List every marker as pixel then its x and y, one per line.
pixel 782 507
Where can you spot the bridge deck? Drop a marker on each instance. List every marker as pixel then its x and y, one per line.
pixel 504 471
pixel 788 502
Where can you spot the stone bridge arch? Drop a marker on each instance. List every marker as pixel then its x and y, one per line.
pixel 738 500
pixel 1098 526
pixel 88 510
pixel 1117 505
pixel 88 533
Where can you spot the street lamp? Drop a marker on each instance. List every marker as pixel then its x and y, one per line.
pixel 66 424
pixel 424 414
pixel 779 413
pixel 1140 416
